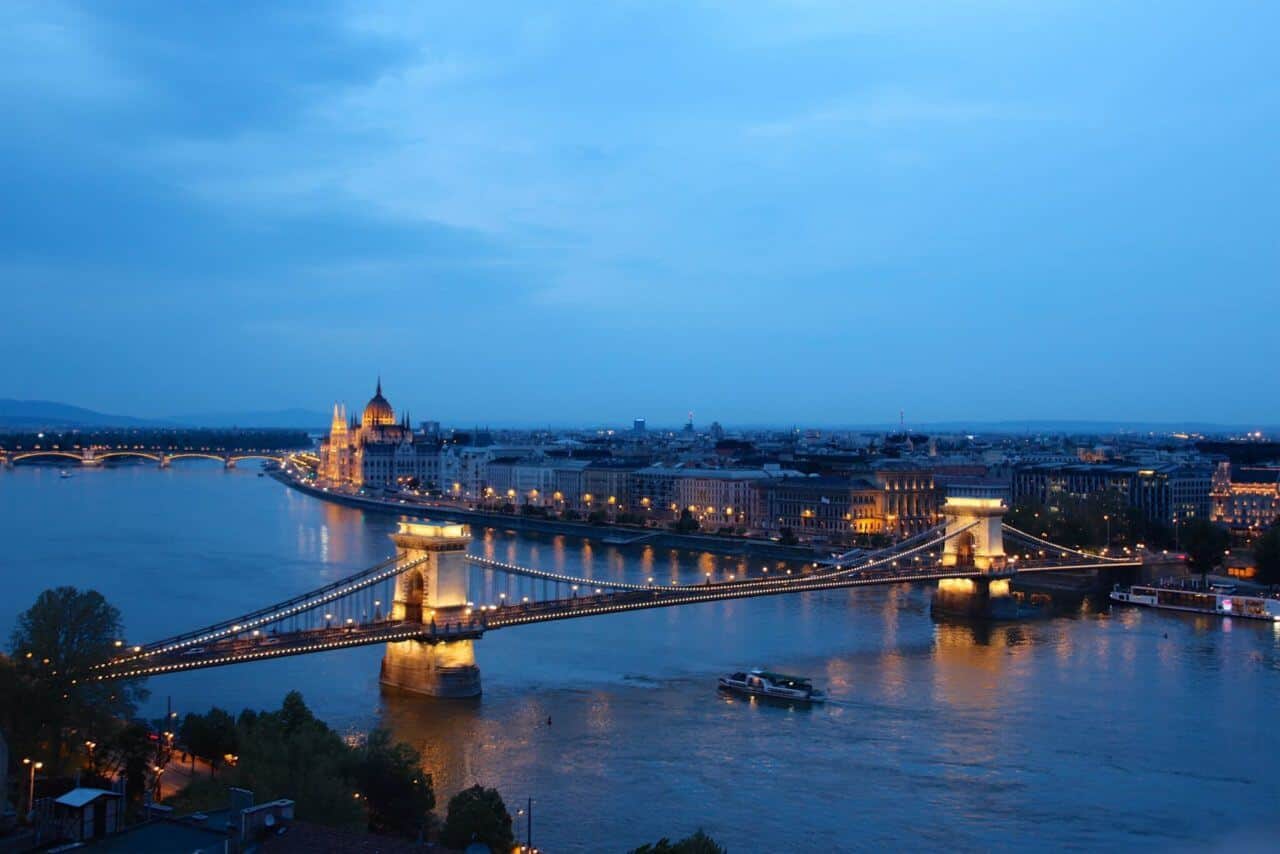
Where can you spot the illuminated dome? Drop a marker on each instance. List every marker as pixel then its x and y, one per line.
pixel 377 413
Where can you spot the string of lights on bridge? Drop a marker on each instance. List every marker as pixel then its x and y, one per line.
pixel 1065 550
pixel 450 631
pixel 308 602
pixel 490 617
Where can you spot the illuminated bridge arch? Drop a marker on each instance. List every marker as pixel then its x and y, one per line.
pixel 124 452
pixel 195 455
pixel 235 458
pixel 70 455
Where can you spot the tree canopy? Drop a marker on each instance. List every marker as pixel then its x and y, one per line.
pixel 290 753
pixel 1266 550
pixel 54 643
pixel 1204 543
pixel 478 815
pixel 698 843
pixel 388 775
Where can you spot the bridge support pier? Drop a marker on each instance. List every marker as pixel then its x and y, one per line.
pixel 435 590
pixel 974 515
pixel 975 599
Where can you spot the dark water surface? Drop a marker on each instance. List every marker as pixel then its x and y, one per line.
pixel 1115 730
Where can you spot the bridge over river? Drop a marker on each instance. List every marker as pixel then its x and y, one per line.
pixel 96 456
pixel 419 602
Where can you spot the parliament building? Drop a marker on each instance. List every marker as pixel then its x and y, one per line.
pixel 377 451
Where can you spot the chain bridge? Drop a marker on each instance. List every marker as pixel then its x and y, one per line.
pixel 424 601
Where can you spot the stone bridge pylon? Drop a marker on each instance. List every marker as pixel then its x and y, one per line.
pixel 435 588
pixel 975 516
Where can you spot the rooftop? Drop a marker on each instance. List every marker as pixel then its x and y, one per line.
pixel 80 797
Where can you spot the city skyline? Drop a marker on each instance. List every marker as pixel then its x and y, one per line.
pixel 798 213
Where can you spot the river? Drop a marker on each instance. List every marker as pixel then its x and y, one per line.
pixel 1103 729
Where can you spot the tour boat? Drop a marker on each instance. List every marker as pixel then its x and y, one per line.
pixel 762 683
pixel 64 473
pixel 1222 604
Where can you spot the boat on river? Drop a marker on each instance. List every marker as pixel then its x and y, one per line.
pixel 1196 600
pixel 763 683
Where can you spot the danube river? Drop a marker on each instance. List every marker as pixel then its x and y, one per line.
pixel 1103 730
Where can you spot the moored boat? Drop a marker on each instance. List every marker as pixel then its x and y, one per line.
pixel 1170 597
pixel 763 683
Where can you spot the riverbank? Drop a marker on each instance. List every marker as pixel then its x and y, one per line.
pixel 616 535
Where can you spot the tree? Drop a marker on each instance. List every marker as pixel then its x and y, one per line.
pixel 478 815
pixel 131 752
pixel 1266 550
pixel 54 644
pixel 291 754
pixel 1204 543
pixel 211 736
pixel 687 524
pixel 698 843
pixel 389 777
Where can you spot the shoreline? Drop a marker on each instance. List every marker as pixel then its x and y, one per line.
pixel 605 535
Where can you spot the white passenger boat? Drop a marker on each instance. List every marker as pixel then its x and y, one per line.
pixel 1196 601
pixel 762 683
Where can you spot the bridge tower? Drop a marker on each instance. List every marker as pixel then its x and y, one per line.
pixel 981 510
pixel 974 516
pixel 439 584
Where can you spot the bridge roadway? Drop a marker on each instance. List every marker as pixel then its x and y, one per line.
pixel 473 625
pixel 239 650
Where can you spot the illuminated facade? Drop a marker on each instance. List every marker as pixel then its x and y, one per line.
pixel 378 450
pixel 910 497
pixel 835 509
pixel 1246 497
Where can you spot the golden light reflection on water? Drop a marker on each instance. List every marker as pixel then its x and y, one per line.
pixel 973 660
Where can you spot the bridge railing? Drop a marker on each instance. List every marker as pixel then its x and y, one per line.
pixel 280 610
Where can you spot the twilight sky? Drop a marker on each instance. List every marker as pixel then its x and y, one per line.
pixel 556 212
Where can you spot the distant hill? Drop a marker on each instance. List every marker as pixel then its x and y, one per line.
pixel 47 414
pixel 301 418
pixel 35 414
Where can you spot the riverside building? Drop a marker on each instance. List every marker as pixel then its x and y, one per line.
pixel 379 450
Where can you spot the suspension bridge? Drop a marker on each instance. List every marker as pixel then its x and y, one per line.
pixel 421 602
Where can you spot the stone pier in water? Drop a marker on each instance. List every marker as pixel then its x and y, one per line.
pixel 436 588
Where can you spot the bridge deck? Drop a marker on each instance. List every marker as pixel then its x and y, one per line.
pixel 221 645
pixel 225 652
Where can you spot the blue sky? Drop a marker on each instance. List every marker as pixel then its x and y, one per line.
pixel 578 212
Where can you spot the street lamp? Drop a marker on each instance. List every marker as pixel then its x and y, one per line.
pixel 31 786
pixel 527 812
